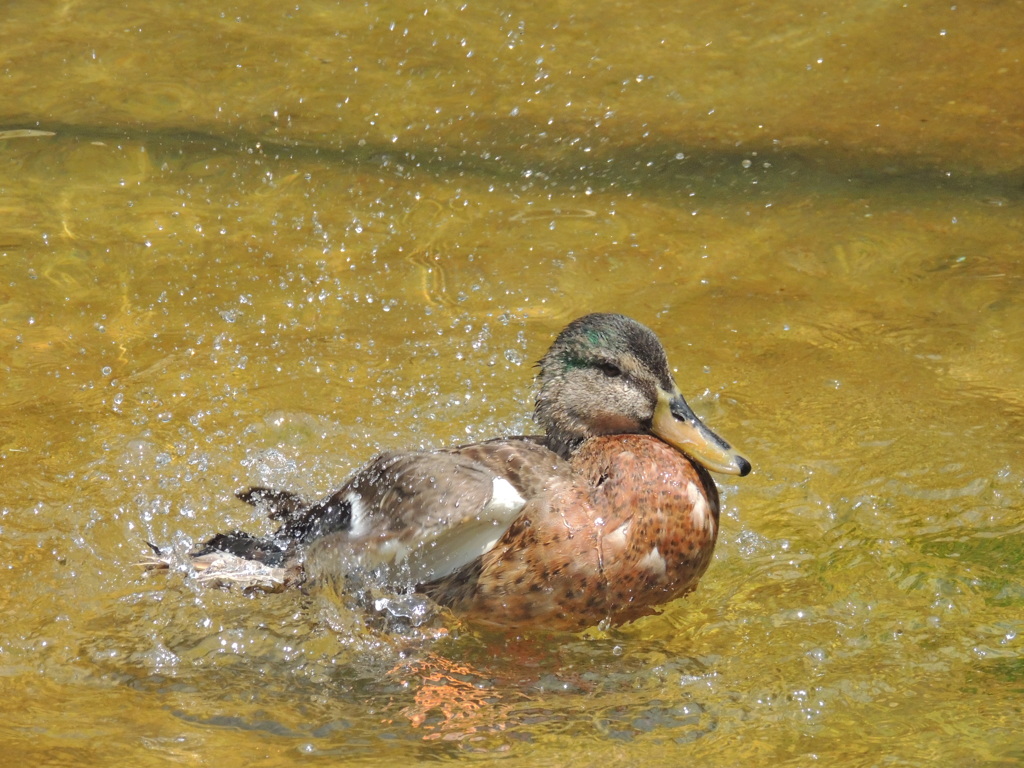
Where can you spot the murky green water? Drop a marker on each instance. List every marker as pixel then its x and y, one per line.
pixel 264 242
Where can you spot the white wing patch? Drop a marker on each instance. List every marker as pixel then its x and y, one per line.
pixel 700 512
pixel 505 501
pixel 618 537
pixel 359 522
pixel 654 561
pixel 446 548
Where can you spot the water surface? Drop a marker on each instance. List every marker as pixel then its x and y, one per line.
pixel 256 244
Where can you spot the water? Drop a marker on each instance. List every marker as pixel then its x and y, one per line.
pixel 264 243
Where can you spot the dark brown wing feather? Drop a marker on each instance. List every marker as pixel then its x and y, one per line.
pixel 416 517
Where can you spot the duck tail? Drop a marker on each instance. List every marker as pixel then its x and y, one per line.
pixel 237 558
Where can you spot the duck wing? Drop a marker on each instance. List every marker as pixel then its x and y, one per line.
pixel 412 518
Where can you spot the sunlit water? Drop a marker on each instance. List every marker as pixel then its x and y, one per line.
pixel 262 245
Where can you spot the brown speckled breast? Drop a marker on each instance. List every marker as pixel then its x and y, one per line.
pixel 637 529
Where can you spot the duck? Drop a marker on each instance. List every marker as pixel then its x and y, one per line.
pixel 606 517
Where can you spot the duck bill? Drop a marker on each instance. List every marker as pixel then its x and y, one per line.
pixel 676 424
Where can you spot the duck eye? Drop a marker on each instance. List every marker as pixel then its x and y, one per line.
pixel 610 369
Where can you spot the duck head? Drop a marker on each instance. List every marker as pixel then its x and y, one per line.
pixel 606 374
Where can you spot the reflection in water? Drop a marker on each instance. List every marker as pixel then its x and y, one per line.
pixel 448 698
